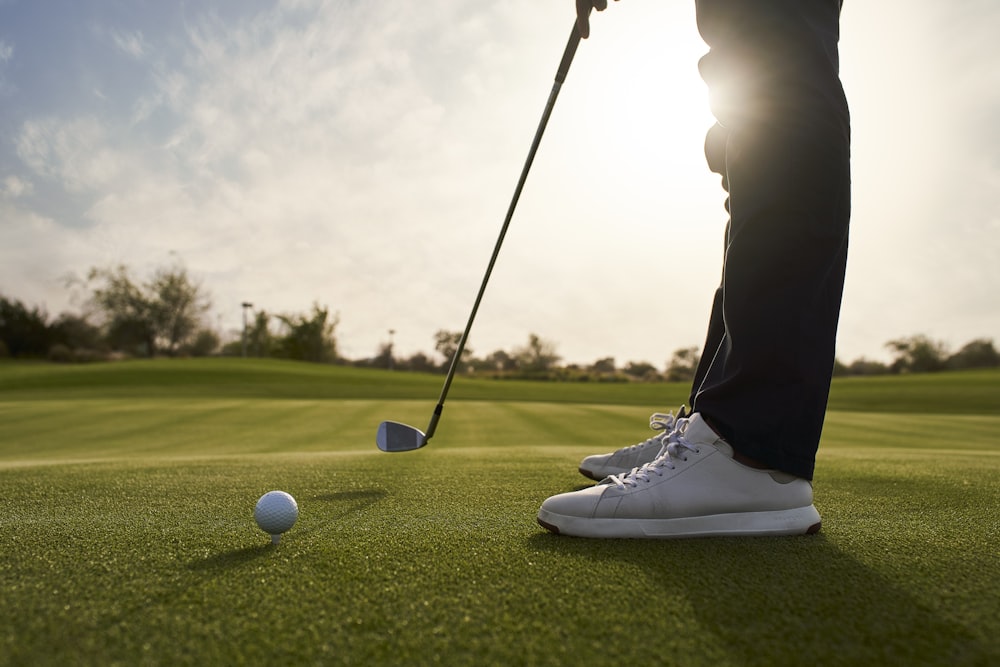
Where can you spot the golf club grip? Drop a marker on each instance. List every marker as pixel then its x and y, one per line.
pixel 568 53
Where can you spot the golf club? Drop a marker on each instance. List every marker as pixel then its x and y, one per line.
pixel 397 437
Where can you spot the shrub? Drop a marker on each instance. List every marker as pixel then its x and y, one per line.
pixel 60 354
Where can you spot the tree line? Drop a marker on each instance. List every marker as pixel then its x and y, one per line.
pixel 166 315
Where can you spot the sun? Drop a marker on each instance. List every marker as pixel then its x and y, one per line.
pixel 642 108
pixel 640 73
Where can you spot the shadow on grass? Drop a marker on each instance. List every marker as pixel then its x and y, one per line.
pixel 230 559
pixel 336 506
pixel 341 504
pixel 798 600
pixel 359 498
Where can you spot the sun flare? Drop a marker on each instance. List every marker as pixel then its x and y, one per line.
pixel 646 96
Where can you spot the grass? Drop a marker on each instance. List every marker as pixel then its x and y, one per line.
pixel 969 392
pixel 128 537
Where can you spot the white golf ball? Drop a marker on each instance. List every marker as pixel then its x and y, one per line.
pixel 276 513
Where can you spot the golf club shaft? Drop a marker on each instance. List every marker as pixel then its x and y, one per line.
pixel 567 59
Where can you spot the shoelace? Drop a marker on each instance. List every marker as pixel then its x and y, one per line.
pixel 674 445
pixel 658 422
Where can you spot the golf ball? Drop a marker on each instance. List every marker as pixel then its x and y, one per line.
pixel 275 513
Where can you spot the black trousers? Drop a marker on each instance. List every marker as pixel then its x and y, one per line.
pixel 782 146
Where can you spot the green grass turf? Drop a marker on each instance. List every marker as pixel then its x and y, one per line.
pixel 127 533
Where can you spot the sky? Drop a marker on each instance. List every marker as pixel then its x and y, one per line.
pixel 362 155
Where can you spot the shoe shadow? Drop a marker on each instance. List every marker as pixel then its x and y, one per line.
pixel 797 600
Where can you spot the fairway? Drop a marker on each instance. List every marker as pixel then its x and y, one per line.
pixel 128 534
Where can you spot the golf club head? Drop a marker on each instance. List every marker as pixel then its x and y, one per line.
pixel 396 437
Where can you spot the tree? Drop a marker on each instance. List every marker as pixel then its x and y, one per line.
pixel 76 333
pixel 419 362
pixel 917 354
pixel 177 306
pixel 309 338
pixel 125 310
pixel 863 366
pixel 683 365
pixel 641 370
pixel 537 357
pixel 605 366
pixel 259 339
pixel 24 332
pixel 978 353
pixel 500 360
pixel 204 343
pixel 144 319
pixel 75 339
pixel 446 343
pixel 384 357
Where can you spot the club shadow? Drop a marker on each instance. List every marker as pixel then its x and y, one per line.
pixel 230 559
pixel 343 503
pixel 367 496
pixel 781 599
pixel 337 506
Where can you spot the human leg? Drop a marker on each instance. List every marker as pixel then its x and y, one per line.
pixel 782 147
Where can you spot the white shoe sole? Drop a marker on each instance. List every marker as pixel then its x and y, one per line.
pixel 799 521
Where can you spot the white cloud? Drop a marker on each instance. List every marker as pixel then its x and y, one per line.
pixel 78 153
pixel 131 43
pixel 32 277
pixel 14 187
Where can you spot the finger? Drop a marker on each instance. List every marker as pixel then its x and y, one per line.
pixel 583 17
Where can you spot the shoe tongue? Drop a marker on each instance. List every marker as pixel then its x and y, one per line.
pixel 699 432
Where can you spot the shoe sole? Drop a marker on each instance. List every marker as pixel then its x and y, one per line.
pixel 799 521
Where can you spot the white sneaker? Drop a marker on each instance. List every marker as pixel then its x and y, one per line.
pixel 694 488
pixel 599 466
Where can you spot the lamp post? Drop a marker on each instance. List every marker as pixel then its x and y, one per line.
pixel 392 363
pixel 246 305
